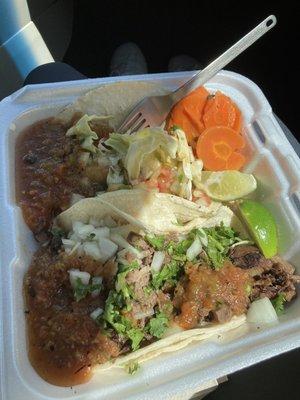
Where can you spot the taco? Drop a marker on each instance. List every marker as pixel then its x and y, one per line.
pixel 121 282
pixel 113 101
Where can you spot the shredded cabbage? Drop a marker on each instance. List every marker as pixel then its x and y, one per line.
pixel 141 151
pixel 83 131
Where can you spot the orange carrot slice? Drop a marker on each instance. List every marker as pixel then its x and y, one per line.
pixel 220 110
pixel 217 146
pixel 187 114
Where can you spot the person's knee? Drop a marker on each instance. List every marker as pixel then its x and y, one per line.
pixel 53 72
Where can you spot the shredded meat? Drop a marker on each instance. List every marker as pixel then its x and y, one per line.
pixel 138 242
pixel 223 314
pixel 249 257
pixel 205 291
pixel 271 276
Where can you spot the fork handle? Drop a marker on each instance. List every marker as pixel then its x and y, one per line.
pixel 208 72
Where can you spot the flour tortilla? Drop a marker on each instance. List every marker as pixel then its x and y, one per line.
pixel 154 213
pixel 113 100
pixel 174 342
pixel 157 213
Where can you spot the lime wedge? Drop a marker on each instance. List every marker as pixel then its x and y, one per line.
pixel 227 185
pixel 261 225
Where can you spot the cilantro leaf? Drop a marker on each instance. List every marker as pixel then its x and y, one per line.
pixel 169 273
pixel 179 249
pixel 132 367
pixel 81 290
pixel 136 336
pixel 218 241
pixel 158 325
pixel 156 241
pixel 278 303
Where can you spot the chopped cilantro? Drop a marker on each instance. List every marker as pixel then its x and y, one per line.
pixel 132 367
pixel 219 239
pixel 122 325
pixel 157 241
pixel 180 178
pixel 122 286
pixel 81 290
pixel 57 232
pixel 180 248
pixel 169 273
pixel 278 303
pixel 136 336
pixel 158 325
pixel 129 267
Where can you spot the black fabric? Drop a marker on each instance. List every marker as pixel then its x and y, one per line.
pixel 275 379
pixel 53 72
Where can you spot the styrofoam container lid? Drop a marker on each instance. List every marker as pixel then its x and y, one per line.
pixel 173 375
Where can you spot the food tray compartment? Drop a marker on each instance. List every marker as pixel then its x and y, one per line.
pixel 175 375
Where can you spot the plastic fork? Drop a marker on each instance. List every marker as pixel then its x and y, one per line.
pixel 153 111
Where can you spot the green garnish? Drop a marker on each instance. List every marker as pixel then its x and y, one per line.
pixel 132 367
pixel 157 241
pixel 158 325
pixel 219 239
pixel 57 232
pixel 136 336
pixel 278 303
pixel 81 290
pixel 168 274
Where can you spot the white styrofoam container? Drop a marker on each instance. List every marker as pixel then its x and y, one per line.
pixel 171 376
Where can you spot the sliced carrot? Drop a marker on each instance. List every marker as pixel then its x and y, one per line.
pixel 236 161
pixel 220 110
pixel 217 146
pixel 237 126
pixel 187 114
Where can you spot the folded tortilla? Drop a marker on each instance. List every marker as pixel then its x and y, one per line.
pixel 158 213
pixel 113 100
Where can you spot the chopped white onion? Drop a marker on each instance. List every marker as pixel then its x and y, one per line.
pixel 142 315
pixel 91 249
pixel 194 250
pixel 97 280
pixel 262 312
pixel 75 198
pixel 74 274
pixel 107 249
pixel 242 242
pixel 120 241
pixel 157 261
pixel 96 313
pixel 68 243
pixel 102 232
pixel 85 231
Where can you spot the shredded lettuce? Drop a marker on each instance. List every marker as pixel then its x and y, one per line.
pixel 135 150
pixel 83 131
